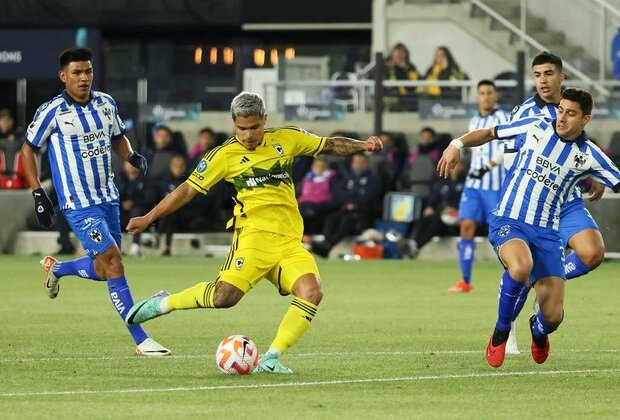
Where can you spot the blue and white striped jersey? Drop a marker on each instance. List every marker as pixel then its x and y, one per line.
pixel 79 139
pixel 481 155
pixel 534 106
pixel 545 173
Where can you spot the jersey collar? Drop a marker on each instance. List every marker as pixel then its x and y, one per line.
pixel 542 104
pixel 579 141
pixel 72 101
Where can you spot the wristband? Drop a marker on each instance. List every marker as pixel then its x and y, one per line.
pixel 457 143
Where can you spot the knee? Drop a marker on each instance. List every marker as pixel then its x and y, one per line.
pixel 313 295
pixel 520 271
pixel 592 256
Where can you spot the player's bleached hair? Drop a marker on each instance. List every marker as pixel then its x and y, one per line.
pixel 247 104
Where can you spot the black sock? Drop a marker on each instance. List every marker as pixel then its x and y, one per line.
pixel 499 337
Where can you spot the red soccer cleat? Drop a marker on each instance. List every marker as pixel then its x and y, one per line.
pixel 495 355
pixel 461 287
pixel 539 354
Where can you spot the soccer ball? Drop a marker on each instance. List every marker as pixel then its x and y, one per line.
pixel 236 355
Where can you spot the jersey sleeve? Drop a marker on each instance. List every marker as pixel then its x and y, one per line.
pixel 42 126
pixel 515 128
pixel 604 170
pixel 211 169
pixel 118 126
pixel 306 143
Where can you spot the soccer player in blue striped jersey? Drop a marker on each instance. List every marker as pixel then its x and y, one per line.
pixel 578 229
pixel 485 177
pixel 80 128
pixel 553 156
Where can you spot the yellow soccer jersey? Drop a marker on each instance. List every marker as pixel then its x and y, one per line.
pixel 262 177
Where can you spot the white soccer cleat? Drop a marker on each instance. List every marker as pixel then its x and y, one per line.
pixel 511 344
pixel 150 347
pixel 51 283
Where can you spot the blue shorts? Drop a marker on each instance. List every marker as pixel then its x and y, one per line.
pixel 98 227
pixel 544 244
pixel 575 217
pixel 477 204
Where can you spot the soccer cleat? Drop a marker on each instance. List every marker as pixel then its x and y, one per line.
pixel 461 287
pixel 539 354
pixel 152 348
pixel 511 344
pixel 51 283
pixel 270 363
pixel 495 355
pixel 146 309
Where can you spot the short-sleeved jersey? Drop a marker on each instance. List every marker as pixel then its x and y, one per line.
pixel 545 173
pixel 263 178
pixel 79 143
pixel 481 155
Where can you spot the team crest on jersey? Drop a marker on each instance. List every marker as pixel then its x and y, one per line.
pixel 278 148
pixel 239 263
pixel 202 166
pixel 95 235
pixel 580 159
pixel 107 113
pixel 504 230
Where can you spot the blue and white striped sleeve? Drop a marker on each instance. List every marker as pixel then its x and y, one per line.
pixel 42 126
pixel 118 126
pixel 515 128
pixel 604 170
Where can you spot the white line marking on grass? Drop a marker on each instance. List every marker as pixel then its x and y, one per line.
pixel 310 383
pixel 289 355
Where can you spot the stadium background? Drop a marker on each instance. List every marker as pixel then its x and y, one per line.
pixel 180 63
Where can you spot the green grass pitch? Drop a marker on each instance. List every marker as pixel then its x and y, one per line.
pixel 388 342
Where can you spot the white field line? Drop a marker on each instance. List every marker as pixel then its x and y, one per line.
pixel 289 355
pixel 312 383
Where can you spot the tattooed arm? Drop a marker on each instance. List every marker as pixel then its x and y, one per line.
pixel 344 146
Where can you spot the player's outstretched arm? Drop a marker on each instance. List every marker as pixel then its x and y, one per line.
pixel 182 195
pixel 452 155
pixel 344 146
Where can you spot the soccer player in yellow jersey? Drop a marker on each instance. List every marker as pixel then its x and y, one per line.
pixel 266 223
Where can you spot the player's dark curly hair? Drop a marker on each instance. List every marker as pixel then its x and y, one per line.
pixel 581 96
pixel 74 54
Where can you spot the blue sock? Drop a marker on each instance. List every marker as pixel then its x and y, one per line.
pixel 122 301
pixel 540 328
pixel 83 267
pixel 521 299
pixel 467 249
pixel 509 290
pixel 574 267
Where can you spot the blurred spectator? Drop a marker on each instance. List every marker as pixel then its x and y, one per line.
pixel 136 199
pixel 440 216
pixel 359 202
pixel 160 155
pixel 12 174
pixel 399 67
pixel 7 126
pixel 205 141
pixel 421 164
pixel 391 162
pixel 187 219
pixel 444 67
pixel 316 200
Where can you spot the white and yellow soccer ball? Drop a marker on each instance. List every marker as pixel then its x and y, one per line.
pixel 236 355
